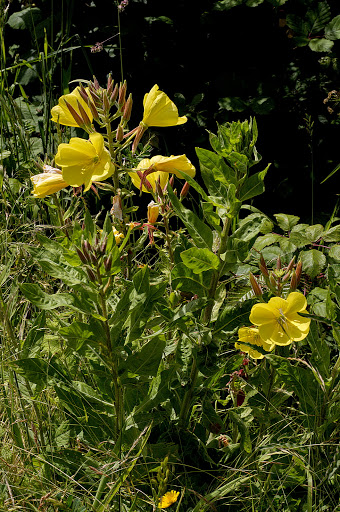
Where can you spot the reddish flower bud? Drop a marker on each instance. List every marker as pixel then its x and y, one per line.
pixel 114 95
pixel 293 282
pixel 291 263
pixel 185 190
pixel 278 263
pixel 298 272
pixel 91 274
pixel 108 263
pixel 122 94
pixel 81 256
pixel 127 109
pixel 96 83
pixel 119 133
pixel 109 87
pixel 106 102
pixel 255 285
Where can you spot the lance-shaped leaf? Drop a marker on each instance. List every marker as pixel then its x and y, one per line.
pixel 253 186
pixel 200 232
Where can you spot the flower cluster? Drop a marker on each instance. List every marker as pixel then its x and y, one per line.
pixel 83 162
pixel 277 322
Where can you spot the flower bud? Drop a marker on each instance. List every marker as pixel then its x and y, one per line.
pixel 272 280
pixel 278 263
pixel 122 94
pixel 91 274
pixel 83 93
pixel 96 83
pixel 80 122
pixel 86 246
pixel 298 271
pixel 109 87
pixel 114 95
pixel 103 244
pixel 144 182
pixel 185 190
pixel 291 263
pixel 138 135
pixel 119 133
pixel 172 181
pixel 108 263
pixel 127 109
pixel 153 212
pixel 93 259
pixel 255 285
pixel 83 114
pixel 293 282
pixel 106 103
pixel 81 256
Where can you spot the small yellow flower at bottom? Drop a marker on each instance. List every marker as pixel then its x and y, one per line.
pixel 251 335
pixel 168 499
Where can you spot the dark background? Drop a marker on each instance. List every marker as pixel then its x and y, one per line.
pixel 218 65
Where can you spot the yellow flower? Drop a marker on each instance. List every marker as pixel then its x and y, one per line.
pixel 84 161
pixel 160 167
pixel 153 212
pixel 118 235
pixel 251 335
pixel 279 322
pixel 48 182
pixel 159 110
pixel 168 499
pixel 62 115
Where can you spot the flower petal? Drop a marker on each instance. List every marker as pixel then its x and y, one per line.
pixel 263 314
pixel 296 302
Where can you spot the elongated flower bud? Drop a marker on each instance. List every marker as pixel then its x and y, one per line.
pixel 80 122
pixel 106 102
pixel 291 263
pixel 109 87
pixel 298 272
pixel 153 212
pixel 81 256
pixel 293 282
pixel 91 274
pixel 185 190
pixel 127 109
pixel 139 132
pixel 122 93
pixel 108 263
pixel 119 133
pixel 96 83
pixel 114 95
pixel 85 117
pixel 103 244
pixel 93 259
pixel 255 285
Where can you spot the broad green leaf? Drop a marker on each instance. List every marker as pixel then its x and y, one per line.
pixel 39 371
pixel 147 360
pixel 297 24
pixel 318 17
pixel 334 253
pixel 26 18
pixel 239 162
pixel 34 335
pixel 286 222
pixel 298 235
pixel 200 232
pixel 332 234
pixel 313 262
pixel 265 240
pixel 332 30
pixel 141 281
pixel 253 186
pixel 199 260
pixel 320 45
pixel 77 334
pixel 233 316
pixel 184 279
pixel 213 167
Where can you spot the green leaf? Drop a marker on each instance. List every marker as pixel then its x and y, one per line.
pixel 239 162
pixel 332 235
pixel 332 30
pixel 147 360
pixel 200 232
pixel 233 316
pixel 253 186
pixel 214 168
pixel 265 240
pixel 26 18
pixel 199 260
pixel 321 45
pixel 47 301
pixel 77 334
pixel 184 279
pixel 318 17
pixel 286 222
pixel 298 235
pixel 297 24
pixel 313 262
pixel 34 335
pixel 243 429
pixel 141 281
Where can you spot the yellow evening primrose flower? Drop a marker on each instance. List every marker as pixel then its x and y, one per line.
pixel 168 499
pixel 159 167
pixel 279 321
pixel 118 235
pixel 84 161
pixel 61 114
pixel 251 335
pixel 159 110
pixel 48 182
